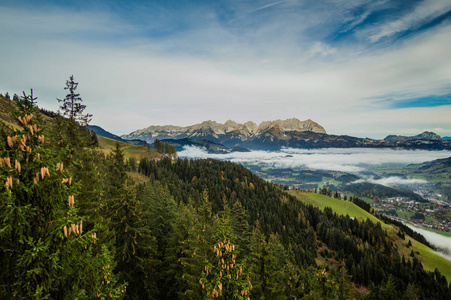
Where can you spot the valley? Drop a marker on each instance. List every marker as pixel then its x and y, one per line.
pixel 397 183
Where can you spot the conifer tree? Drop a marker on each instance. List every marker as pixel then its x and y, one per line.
pixel 184 256
pixel 71 106
pixel 224 277
pixel 241 229
pixel 70 126
pixel 266 274
pixel 160 208
pixel 130 219
pixel 44 250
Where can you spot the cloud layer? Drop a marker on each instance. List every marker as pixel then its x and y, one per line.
pixel 436 239
pixel 346 160
pixel 392 180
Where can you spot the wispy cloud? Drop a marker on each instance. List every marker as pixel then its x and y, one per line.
pixel 159 63
pixel 424 12
pixel 393 180
pixel 269 5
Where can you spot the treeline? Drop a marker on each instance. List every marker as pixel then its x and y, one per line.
pixel 361 203
pixel 404 229
pixel 165 148
pixel 76 224
pixel 373 191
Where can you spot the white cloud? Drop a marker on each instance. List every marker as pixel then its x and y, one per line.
pixel 392 180
pixel 347 160
pixel 436 239
pixel 321 49
pixel 423 12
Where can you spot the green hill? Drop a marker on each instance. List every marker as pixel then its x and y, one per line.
pixel 340 207
pixel 106 145
pixel 430 258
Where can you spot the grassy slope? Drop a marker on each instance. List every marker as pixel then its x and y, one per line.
pixel 106 145
pixel 341 207
pixel 429 257
pixel 447 234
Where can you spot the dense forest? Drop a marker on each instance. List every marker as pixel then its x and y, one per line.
pixel 79 224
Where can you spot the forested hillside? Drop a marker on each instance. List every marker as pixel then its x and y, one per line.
pixel 79 224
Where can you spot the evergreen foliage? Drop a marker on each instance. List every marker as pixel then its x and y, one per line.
pixel 76 224
pixel 71 106
pixel 45 253
pixel 165 148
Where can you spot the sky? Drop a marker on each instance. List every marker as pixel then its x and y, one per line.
pixel 366 68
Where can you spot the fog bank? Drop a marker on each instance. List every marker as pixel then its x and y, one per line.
pixel 351 160
pixel 436 239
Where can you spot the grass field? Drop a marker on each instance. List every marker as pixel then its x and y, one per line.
pixel 338 206
pixel 447 234
pixel 107 145
pixel 429 257
pixel 405 214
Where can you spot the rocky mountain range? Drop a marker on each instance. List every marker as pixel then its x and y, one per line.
pixel 267 135
pixel 214 131
pixel 273 135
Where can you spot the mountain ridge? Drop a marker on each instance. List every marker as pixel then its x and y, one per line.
pixel 274 135
pixel 230 128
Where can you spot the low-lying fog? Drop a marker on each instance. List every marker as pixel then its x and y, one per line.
pixel 436 239
pixel 352 160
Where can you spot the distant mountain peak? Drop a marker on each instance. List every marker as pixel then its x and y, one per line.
pixel 429 135
pixel 214 130
pixel 292 124
pixel 425 135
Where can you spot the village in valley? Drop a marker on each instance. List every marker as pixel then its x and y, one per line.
pixel 433 214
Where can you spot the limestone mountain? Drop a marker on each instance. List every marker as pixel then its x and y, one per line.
pixel 230 133
pixel 273 135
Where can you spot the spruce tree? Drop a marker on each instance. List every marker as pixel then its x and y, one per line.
pixel 130 219
pixel 44 250
pixel 266 274
pixel 184 256
pixel 71 106
pixel 224 277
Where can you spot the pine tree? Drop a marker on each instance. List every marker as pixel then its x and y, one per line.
pixel 266 273
pixel 160 209
pixel 71 106
pixel 224 277
pixel 241 229
pixel 184 256
pixel 44 251
pixel 69 130
pixel 135 246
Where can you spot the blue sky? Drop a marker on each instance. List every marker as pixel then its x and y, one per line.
pixel 362 68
